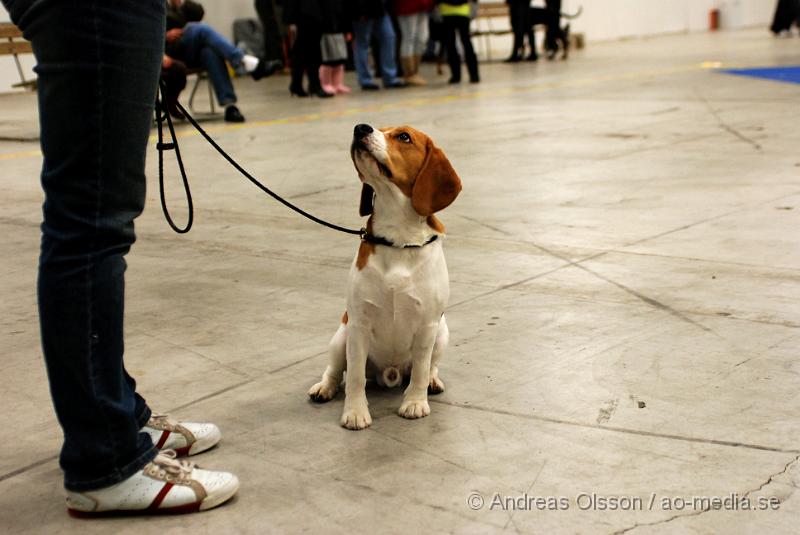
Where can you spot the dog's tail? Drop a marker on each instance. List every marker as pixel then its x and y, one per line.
pixel 575 15
pixel 392 377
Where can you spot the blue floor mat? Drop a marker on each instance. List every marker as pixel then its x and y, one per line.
pixel 789 74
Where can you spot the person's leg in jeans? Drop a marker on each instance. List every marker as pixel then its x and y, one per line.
pixel 203 47
pixel 470 58
pixel 198 35
pixel 98 68
pixel 218 75
pixel 388 50
pixel 362 32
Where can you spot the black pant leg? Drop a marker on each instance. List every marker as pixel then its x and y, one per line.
pixel 272 34
pixel 469 53
pixel 449 30
pixel 98 67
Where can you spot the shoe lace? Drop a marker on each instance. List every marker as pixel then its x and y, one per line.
pixel 169 466
pixel 162 421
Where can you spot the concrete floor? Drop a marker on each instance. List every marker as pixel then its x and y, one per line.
pixel 625 260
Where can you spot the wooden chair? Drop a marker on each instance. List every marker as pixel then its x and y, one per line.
pixel 485 29
pixel 13 44
pixel 200 76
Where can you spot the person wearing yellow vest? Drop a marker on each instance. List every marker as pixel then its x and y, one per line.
pixel 456 18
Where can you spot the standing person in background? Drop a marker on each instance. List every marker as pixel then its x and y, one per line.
pixel 309 18
pixel 519 11
pixel 787 13
pixel 456 18
pixel 370 16
pixel 273 48
pixel 334 49
pixel 98 65
pixel 412 16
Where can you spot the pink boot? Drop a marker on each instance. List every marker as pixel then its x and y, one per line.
pixel 337 79
pixel 326 78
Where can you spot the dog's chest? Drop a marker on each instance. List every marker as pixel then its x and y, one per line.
pixel 398 294
pixel 395 295
pixel 396 316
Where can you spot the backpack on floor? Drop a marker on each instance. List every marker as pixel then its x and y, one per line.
pixel 249 36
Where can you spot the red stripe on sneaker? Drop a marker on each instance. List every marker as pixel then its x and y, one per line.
pixel 162 440
pixel 160 497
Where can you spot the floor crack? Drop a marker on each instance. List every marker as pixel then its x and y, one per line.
pixel 773 476
pixel 747 494
pixel 665 521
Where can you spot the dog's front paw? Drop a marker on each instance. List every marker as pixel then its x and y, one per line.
pixel 414 409
pixel 436 386
pixel 356 418
pixel 323 391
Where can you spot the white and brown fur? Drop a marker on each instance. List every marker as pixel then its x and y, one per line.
pixel 394 326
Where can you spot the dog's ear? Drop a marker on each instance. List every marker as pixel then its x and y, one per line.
pixel 437 184
pixel 365 207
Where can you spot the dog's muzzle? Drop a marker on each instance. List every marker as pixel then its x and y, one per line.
pixel 363 146
pixel 360 132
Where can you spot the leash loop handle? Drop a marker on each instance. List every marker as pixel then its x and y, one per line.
pixel 162 114
pixel 161 146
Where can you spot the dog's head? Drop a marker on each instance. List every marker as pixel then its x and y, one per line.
pixel 407 160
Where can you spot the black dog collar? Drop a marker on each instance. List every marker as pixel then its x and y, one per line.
pixel 380 240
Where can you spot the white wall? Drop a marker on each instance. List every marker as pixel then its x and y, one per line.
pixel 615 19
pixel 601 20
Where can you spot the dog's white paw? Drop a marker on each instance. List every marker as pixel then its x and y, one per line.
pixel 414 409
pixel 323 391
pixel 436 385
pixel 356 418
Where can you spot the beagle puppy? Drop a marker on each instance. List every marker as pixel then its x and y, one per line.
pixel 398 286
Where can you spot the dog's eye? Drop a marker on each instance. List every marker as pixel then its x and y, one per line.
pixel 404 137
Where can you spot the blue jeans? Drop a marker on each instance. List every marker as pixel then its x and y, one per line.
pixel 202 46
pixel 362 30
pixel 98 65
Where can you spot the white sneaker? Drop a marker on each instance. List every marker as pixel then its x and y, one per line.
pixel 166 485
pixel 186 438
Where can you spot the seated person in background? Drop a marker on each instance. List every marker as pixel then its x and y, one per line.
pixel 173 73
pixel 198 45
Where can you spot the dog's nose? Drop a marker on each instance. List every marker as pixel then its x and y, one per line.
pixel 362 130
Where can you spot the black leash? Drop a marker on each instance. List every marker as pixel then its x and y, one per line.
pixel 162 114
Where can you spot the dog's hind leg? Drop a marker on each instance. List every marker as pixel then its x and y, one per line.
pixel 325 389
pixel 436 385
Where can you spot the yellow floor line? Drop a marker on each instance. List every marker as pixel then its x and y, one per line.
pixel 23 154
pixel 420 102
